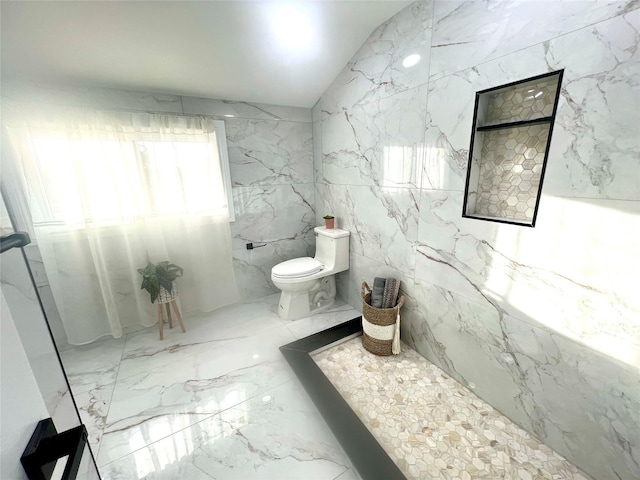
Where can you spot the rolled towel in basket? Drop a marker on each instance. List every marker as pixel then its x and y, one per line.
pixel 377 292
pixel 390 295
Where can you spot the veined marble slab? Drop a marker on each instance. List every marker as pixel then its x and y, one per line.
pixel 93 406
pixel 383 222
pixel 556 388
pixel 377 143
pixel 595 140
pixel 205 334
pixel 376 70
pixel 468 33
pixel 269 152
pixel 339 313
pixel 534 274
pixel 241 443
pixel 272 213
pixel 200 385
pixel 365 268
pixel 234 109
pixel 93 365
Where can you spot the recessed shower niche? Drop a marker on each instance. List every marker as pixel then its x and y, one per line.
pixel 509 147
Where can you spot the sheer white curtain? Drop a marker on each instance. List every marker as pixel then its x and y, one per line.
pixel 106 192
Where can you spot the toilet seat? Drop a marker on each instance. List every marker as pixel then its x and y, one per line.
pixel 297 268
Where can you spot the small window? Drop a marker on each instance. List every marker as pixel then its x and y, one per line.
pixel 509 147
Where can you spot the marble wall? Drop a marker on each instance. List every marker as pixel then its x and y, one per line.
pixel 544 322
pixel 270 155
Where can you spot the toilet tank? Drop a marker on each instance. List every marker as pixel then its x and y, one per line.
pixel 332 248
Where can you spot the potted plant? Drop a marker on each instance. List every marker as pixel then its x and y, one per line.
pixel 329 222
pixel 159 280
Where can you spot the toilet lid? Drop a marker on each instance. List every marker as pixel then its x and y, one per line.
pixel 298 267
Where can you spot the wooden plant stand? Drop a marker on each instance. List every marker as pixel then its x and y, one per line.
pixel 168 305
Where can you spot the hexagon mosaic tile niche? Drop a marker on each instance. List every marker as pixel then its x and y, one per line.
pixel 528 101
pixel 510 172
pixel 509 150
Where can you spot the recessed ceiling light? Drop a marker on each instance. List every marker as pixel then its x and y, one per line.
pixel 410 60
pixel 229 115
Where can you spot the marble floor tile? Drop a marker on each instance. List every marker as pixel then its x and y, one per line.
pixel 205 331
pixel 184 391
pixel 278 435
pixel 93 365
pixel 430 425
pixel 339 312
pixel 93 406
pixel 180 394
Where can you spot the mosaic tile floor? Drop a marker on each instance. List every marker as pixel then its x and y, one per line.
pixel 430 425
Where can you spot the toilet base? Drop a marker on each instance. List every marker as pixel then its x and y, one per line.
pixel 296 305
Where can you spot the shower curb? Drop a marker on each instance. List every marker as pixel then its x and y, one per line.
pixel 364 451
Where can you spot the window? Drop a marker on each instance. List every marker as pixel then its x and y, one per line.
pixel 103 179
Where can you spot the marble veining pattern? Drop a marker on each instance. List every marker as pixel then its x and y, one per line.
pixel 383 222
pixel 468 33
pixel 376 71
pixel 541 380
pixel 518 272
pixel 596 86
pixel 235 109
pixel 543 321
pixel 203 404
pixel 273 213
pixel 269 152
pixel 432 426
pixel 379 143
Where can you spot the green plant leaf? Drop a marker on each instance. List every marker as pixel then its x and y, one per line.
pixel 161 274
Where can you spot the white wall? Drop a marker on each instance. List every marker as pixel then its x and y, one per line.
pixel 21 404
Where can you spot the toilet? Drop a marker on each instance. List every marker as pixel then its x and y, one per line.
pixel 308 284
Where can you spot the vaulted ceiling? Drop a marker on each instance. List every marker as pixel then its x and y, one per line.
pixel 284 53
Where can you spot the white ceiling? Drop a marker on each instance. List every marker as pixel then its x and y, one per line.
pixel 218 49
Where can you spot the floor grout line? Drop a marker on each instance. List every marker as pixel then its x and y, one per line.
pixel 265 323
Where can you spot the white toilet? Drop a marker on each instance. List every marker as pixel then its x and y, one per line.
pixel 308 284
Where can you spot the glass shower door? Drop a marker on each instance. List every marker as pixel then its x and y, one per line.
pixel 25 310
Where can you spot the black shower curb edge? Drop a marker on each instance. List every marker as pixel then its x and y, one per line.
pixel 366 454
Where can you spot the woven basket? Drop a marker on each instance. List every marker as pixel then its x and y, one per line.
pixel 381 317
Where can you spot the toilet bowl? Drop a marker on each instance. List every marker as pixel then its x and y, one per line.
pixel 308 284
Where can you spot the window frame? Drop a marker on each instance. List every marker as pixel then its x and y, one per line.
pixel 223 154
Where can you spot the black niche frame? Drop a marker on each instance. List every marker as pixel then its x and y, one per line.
pixel 366 454
pixel 544 120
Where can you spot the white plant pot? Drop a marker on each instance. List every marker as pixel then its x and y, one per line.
pixel 165 297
